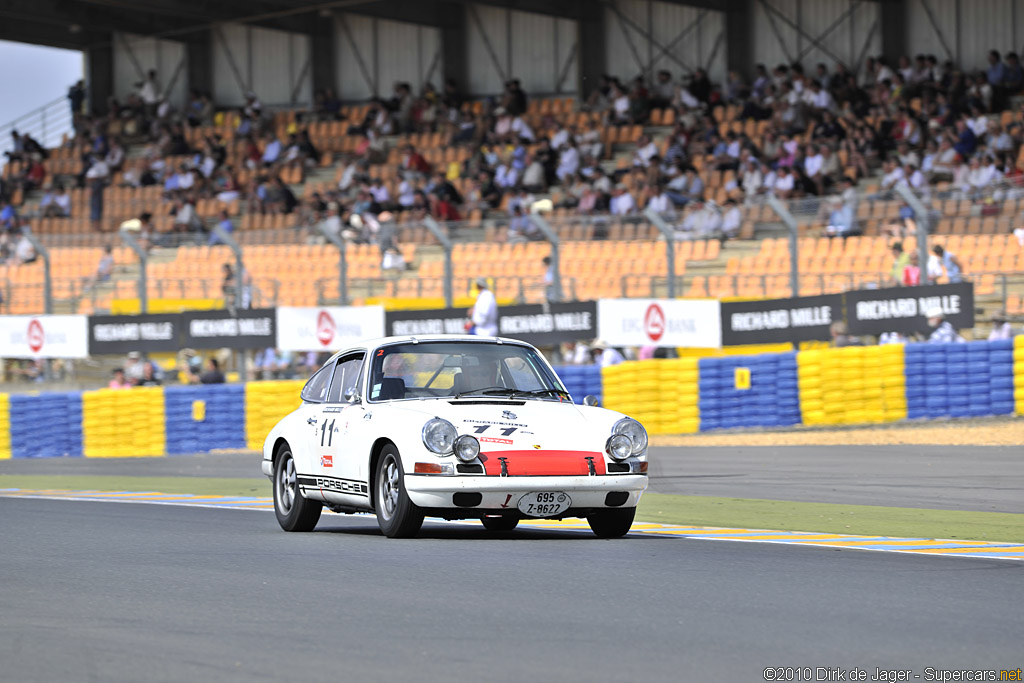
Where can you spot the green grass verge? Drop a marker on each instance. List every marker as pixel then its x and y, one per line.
pixel 867 520
pixel 200 486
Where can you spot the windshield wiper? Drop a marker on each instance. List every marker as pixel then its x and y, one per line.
pixel 546 392
pixel 491 391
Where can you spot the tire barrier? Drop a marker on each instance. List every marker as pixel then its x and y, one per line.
pixel 581 381
pixel 205 418
pixel 1018 373
pixel 661 394
pixel 121 423
pixel 748 391
pixel 852 385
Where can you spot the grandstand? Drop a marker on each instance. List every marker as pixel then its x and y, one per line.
pixel 478 143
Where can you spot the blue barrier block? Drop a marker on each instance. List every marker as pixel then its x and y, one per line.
pixel 224 426
pixel 1002 407
pixel 47 425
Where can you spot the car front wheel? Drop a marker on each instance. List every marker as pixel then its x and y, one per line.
pixel 294 512
pixel 397 516
pixel 611 523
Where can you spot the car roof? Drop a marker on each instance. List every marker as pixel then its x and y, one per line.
pixel 412 339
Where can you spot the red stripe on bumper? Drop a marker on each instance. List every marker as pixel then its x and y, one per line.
pixel 543 463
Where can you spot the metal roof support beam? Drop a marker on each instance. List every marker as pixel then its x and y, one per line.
pixel 243 86
pixel 131 55
pixel 360 62
pixel 693 25
pixel 564 73
pixel 775 29
pixel 625 32
pixel 930 13
pixel 832 27
pixel 626 21
pixel 800 32
pixel 739 39
pixel 864 50
pixel 487 43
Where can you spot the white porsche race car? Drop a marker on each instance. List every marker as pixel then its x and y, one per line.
pixel 456 427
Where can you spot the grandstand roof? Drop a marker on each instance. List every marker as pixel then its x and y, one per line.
pixel 78 24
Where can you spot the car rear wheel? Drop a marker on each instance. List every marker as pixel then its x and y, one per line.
pixel 500 523
pixel 397 516
pixel 294 512
pixel 611 523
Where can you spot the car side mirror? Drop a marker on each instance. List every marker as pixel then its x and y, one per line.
pixel 352 396
pixel 590 400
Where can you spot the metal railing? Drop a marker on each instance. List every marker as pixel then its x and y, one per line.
pixel 46 124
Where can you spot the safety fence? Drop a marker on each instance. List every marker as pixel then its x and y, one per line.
pixel 834 386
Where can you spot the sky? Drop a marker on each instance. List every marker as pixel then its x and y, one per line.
pixel 34 75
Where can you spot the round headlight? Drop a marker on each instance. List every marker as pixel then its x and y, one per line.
pixel 635 431
pixel 619 446
pixel 439 436
pixel 467 448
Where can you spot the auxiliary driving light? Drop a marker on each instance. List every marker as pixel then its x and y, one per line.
pixel 619 446
pixel 467 448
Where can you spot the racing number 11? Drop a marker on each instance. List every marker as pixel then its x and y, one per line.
pixel 326 429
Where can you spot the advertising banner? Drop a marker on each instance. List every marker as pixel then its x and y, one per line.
pixel 433 321
pixel 327 328
pixel 538 324
pixel 773 321
pixel 660 322
pixel 550 324
pixel 44 336
pixel 118 334
pixel 252 329
pixel 903 309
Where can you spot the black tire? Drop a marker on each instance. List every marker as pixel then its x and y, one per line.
pixel 611 523
pixel 397 516
pixel 500 523
pixel 294 512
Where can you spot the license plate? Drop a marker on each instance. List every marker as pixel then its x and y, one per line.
pixel 544 503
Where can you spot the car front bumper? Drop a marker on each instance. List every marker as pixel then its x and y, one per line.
pixel 501 494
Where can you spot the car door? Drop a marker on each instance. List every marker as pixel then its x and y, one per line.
pixel 313 395
pixel 339 421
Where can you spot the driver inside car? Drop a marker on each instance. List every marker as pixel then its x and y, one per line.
pixel 475 377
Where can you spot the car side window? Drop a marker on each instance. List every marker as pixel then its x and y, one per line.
pixel 315 390
pixel 345 377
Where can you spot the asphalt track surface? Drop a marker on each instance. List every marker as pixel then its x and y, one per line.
pixel 134 592
pixel 983 478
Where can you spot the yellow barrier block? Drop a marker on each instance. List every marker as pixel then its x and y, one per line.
pixel 265 404
pixel 660 393
pixel 5 426
pixel 120 423
pixel 851 385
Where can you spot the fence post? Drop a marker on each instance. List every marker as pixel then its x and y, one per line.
pixel 229 241
pixel 340 243
pixel 556 260
pixel 670 248
pixel 787 218
pixel 43 253
pixel 446 244
pixel 921 219
pixel 134 245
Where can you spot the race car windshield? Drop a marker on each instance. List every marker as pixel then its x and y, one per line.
pixel 460 370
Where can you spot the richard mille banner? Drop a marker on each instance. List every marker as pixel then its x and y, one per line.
pixel 117 334
pixel 903 309
pixel 247 329
pixel 780 320
pixel 539 324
